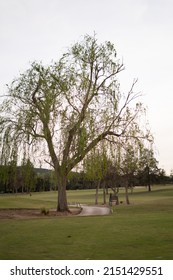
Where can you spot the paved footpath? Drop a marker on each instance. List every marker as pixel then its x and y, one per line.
pixel 94 210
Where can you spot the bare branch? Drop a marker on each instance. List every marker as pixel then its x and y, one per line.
pixel 48 162
pixel 119 69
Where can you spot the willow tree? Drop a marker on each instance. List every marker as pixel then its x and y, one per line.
pixel 65 109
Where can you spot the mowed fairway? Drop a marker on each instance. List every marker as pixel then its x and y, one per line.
pixel 142 230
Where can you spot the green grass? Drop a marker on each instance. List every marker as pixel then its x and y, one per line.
pixel 45 199
pixel 142 230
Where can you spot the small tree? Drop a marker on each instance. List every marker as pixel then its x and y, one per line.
pixel 131 158
pixel 64 110
pixel 96 165
pixel 147 165
pixel 28 176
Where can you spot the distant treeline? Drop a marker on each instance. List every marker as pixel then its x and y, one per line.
pixel 29 179
pixel 21 179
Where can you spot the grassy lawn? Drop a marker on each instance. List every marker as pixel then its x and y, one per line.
pixel 142 230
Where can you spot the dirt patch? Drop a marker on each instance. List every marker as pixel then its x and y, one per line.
pixel 35 213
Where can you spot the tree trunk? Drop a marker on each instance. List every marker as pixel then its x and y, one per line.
pixel 107 191
pixel 148 179
pixel 127 195
pixel 149 187
pixel 126 192
pixel 97 192
pixel 149 184
pixel 62 205
pixel 104 193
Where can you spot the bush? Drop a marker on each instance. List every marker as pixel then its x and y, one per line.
pixel 44 211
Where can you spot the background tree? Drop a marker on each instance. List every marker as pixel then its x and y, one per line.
pixel 133 158
pixel 96 165
pixel 28 176
pixel 64 110
pixel 3 178
pixel 148 166
pixel 125 165
pixel 171 176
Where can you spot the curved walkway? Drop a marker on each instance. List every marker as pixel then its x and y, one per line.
pixel 94 210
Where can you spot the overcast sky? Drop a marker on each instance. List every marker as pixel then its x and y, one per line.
pixel 142 31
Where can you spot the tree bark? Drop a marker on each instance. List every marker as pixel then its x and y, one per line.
pixel 126 192
pixel 97 192
pixel 104 193
pixel 62 205
pixel 127 195
pixel 149 184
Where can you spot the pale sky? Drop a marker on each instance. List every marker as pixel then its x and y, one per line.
pixel 142 31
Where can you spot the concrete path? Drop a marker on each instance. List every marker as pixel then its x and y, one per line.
pixel 94 210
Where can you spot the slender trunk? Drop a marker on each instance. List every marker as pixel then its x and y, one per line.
pixel 62 205
pixel 104 193
pixel 149 188
pixel 5 189
pixel 107 192
pixel 149 184
pixel 126 192
pixel 127 195
pixel 148 178
pixel 97 192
